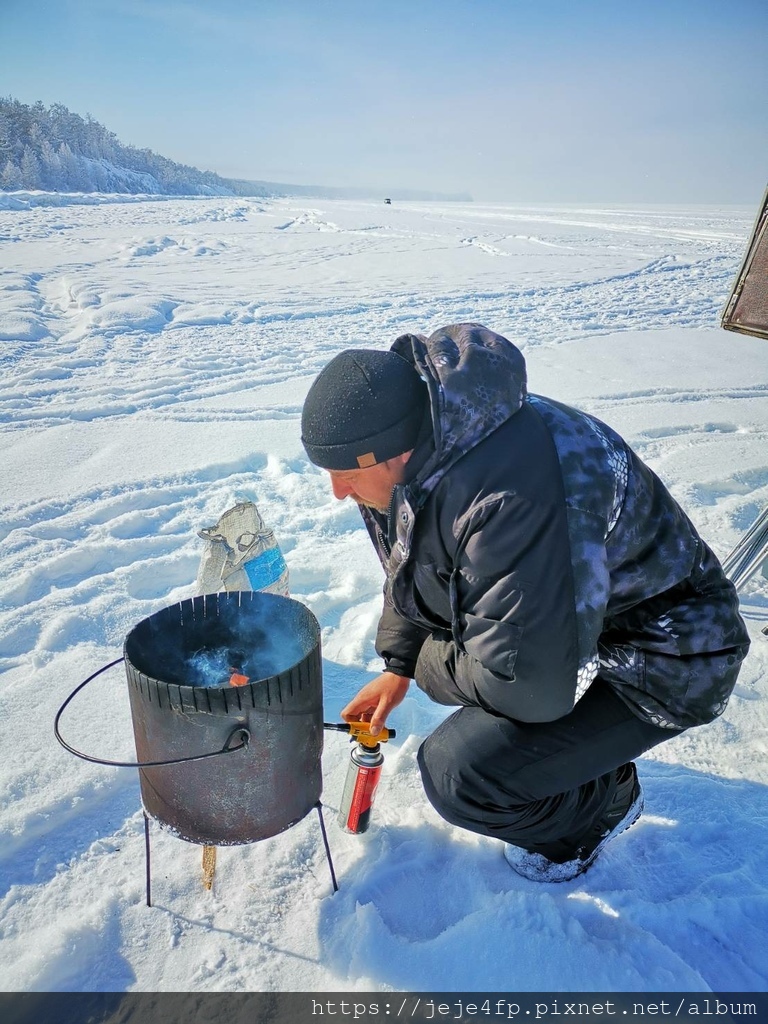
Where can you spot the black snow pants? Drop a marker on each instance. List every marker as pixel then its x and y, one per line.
pixel 533 784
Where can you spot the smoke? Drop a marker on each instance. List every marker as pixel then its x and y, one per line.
pixel 279 650
pixel 256 657
pixel 204 641
pixel 211 668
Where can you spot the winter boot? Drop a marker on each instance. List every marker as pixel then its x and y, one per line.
pixel 622 810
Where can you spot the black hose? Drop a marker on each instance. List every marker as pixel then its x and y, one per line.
pixel 226 749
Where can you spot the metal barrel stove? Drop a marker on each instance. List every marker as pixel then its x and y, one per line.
pixel 179 663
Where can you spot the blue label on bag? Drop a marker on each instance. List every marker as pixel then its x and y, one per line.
pixel 266 568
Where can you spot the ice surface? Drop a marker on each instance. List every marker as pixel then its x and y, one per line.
pixel 155 356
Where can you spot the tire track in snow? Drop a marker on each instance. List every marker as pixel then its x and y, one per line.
pixel 138 331
pixel 662 394
pixel 148 375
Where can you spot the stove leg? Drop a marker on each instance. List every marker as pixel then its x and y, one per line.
pixel 209 866
pixel 327 847
pixel 147 860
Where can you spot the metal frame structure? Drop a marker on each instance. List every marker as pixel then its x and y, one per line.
pixel 751 552
pixel 746 311
pixel 148 853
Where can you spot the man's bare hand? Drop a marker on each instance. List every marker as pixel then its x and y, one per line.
pixel 376 699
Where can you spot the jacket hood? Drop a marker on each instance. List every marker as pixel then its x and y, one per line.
pixel 476 381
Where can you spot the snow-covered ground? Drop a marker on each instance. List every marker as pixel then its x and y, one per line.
pixel 155 355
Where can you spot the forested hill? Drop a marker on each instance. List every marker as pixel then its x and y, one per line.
pixel 53 149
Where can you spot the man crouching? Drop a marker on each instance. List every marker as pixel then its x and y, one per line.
pixel 538 574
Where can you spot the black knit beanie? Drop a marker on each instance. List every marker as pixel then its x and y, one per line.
pixel 364 407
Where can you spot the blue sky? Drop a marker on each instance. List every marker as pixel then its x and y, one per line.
pixel 523 100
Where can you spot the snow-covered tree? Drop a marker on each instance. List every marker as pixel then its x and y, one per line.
pixel 52 174
pixel 55 148
pixel 71 170
pixel 30 169
pixel 10 178
pixel 6 139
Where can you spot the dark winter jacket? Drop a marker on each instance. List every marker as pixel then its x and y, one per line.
pixel 532 549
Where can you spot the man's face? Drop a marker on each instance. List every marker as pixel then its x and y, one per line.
pixel 372 486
